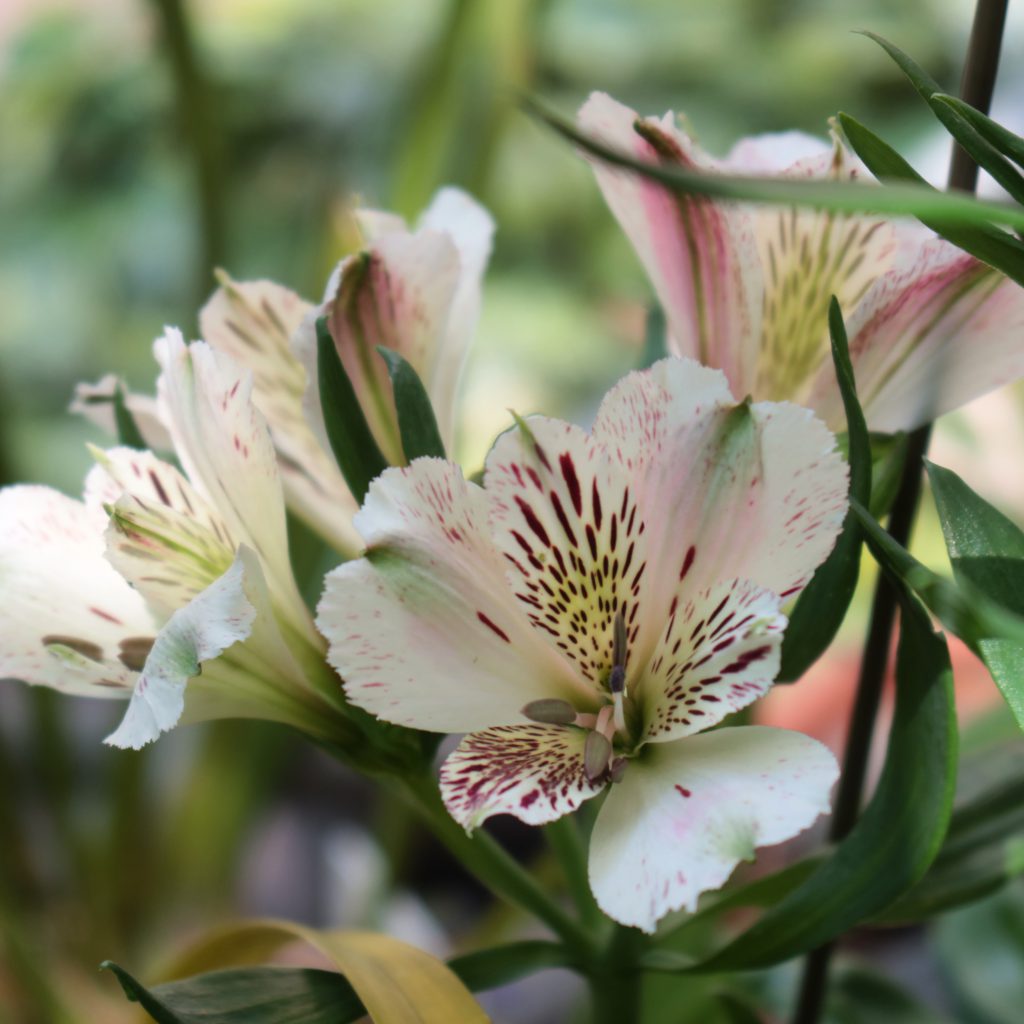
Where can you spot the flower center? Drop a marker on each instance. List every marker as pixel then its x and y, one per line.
pixel 601 763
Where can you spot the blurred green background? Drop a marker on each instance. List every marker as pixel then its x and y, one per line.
pixel 142 143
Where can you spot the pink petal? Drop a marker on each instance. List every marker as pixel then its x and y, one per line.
pixel 700 255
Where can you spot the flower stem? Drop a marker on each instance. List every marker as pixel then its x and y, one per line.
pixel 976 88
pixel 495 867
pixel 567 844
pixel 615 982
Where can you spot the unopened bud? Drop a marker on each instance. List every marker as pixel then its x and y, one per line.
pixel 550 711
pixel 597 752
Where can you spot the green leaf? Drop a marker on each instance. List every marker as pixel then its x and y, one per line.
pixel 987 551
pixel 249 995
pixel 416 422
pixel 889 454
pixel 994 247
pixel 859 996
pixel 961 128
pixel 355 449
pixel 981 850
pixel 655 337
pixel 279 995
pixel 919 78
pixel 128 433
pixel 900 832
pixel 736 1010
pixel 821 608
pixel 963 609
pixel 1002 138
pixel 920 200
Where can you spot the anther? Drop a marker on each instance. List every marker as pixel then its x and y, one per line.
pixel 550 711
pixel 617 769
pixel 597 752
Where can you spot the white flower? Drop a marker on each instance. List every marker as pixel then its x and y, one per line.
pixel 416 292
pixel 157 576
pixel 604 599
pixel 746 288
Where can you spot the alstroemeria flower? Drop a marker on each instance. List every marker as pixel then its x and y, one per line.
pixel 157 575
pixel 417 292
pixel 746 288
pixel 601 601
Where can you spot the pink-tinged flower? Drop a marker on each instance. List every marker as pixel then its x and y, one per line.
pixel 746 288
pixel 414 291
pixel 157 575
pixel 601 601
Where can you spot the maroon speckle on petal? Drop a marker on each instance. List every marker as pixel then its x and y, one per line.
pixel 490 625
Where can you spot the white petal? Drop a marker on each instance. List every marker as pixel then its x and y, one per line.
pixel 727 492
pixel 774 152
pixel 471 228
pixel 425 631
pixel 700 255
pixel 719 652
pixel 212 622
pixel 930 337
pixel 533 772
pixel 254 322
pixel 163 537
pixel 225 447
pixel 69 618
pixel 96 403
pixel 563 517
pixel 686 813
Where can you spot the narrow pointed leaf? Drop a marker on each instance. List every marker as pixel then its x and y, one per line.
pixel 961 607
pixel 821 608
pixel 899 834
pixel 994 247
pixel 919 78
pixel 355 449
pixel 984 154
pixel 987 552
pixel 899 199
pixel 1003 139
pixel 128 433
pixel 416 422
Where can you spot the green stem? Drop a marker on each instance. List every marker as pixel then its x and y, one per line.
pixel 196 114
pixel 976 88
pixel 570 850
pixel 486 860
pixel 615 982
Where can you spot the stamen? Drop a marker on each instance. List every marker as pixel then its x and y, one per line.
pixel 619 643
pixel 617 769
pixel 550 711
pixel 597 752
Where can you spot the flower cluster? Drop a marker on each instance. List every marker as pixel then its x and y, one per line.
pixel 590 616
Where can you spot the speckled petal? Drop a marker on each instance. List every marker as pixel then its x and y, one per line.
pixel 254 323
pixel 700 256
pixel 686 813
pixel 533 772
pixel 69 618
pixel 225 448
pixel 96 403
pixel 163 536
pixel 719 652
pixel 425 630
pixel 570 530
pixel 753 492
